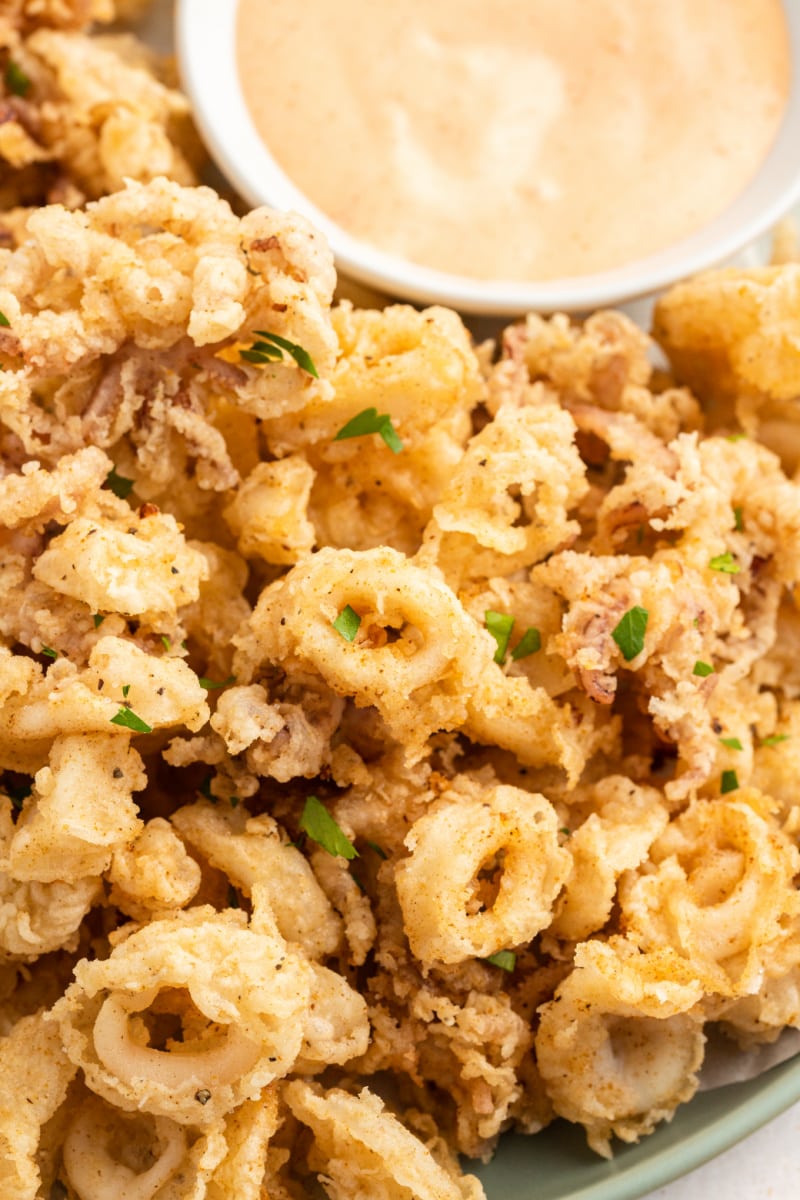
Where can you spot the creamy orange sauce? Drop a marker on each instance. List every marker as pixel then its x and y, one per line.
pixel 509 140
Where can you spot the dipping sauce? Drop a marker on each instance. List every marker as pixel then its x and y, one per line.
pixel 517 140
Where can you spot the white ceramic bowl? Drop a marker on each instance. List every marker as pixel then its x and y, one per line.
pixel 205 35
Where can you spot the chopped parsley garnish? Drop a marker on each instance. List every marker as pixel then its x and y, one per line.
pixel 129 720
pixel 17 81
pixel 347 623
pixel 726 563
pixel 729 782
pixel 702 669
pixel 378 850
pixel 4 321
pixel 629 633
pixel 49 652
pixel 165 642
pixel 205 789
pixel 736 437
pixel 506 960
pixel 775 739
pixel 320 826
pixel 738 517
pixel 499 626
pixel 566 832
pixel 370 421
pixel 529 643
pixel 270 348
pixel 98 619
pixel 126 687
pixel 731 743
pixel 118 484
pixel 211 685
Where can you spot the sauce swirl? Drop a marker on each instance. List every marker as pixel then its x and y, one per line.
pixel 519 141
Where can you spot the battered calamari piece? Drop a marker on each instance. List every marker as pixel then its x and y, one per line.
pixel 119 679
pixel 363 1152
pixel 121 313
pixel 250 851
pixel 506 505
pixel 80 809
pixel 37 917
pixel 734 336
pixel 603 362
pixel 153 875
pixel 248 1004
pixel 693 615
pixel 717 888
pixel 418 369
pixel 84 114
pixel 616 835
pixel 618 1047
pixel 416 655
pixel 109 1152
pixel 447 916
pixel 34 1076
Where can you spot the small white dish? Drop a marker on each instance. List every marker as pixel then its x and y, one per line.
pixel 206 44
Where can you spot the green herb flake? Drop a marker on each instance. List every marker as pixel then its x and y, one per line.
pixel 499 626
pixel 49 652
pixel 566 832
pixel 126 687
pixel 738 517
pixel 732 743
pixel 506 960
pixel 370 421
pixel 17 81
pixel 4 321
pixel 118 484
pixel 736 437
pixel 165 642
pixel 300 356
pixel 629 633
pixel 347 623
pixel 129 720
pixel 211 685
pixel 775 739
pixel 233 897
pixel 729 782
pixel 234 801
pixel 725 563
pixel 381 853
pixel 320 826
pixel 205 789
pixel 267 355
pixel 702 669
pixel 98 619
pixel 529 643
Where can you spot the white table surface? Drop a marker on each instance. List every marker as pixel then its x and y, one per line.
pixel 765 1166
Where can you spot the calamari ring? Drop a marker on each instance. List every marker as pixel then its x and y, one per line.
pixel 617 1048
pixel 241 997
pixel 96 1173
pixel 450 845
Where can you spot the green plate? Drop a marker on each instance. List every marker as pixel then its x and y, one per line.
pixel 557 1165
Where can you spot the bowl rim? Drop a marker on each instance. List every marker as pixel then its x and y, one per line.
pixel 207 60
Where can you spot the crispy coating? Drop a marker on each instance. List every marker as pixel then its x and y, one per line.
pixel 529 642
pixel 617 1047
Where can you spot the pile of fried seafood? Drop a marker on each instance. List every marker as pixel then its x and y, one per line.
pixel 398 737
